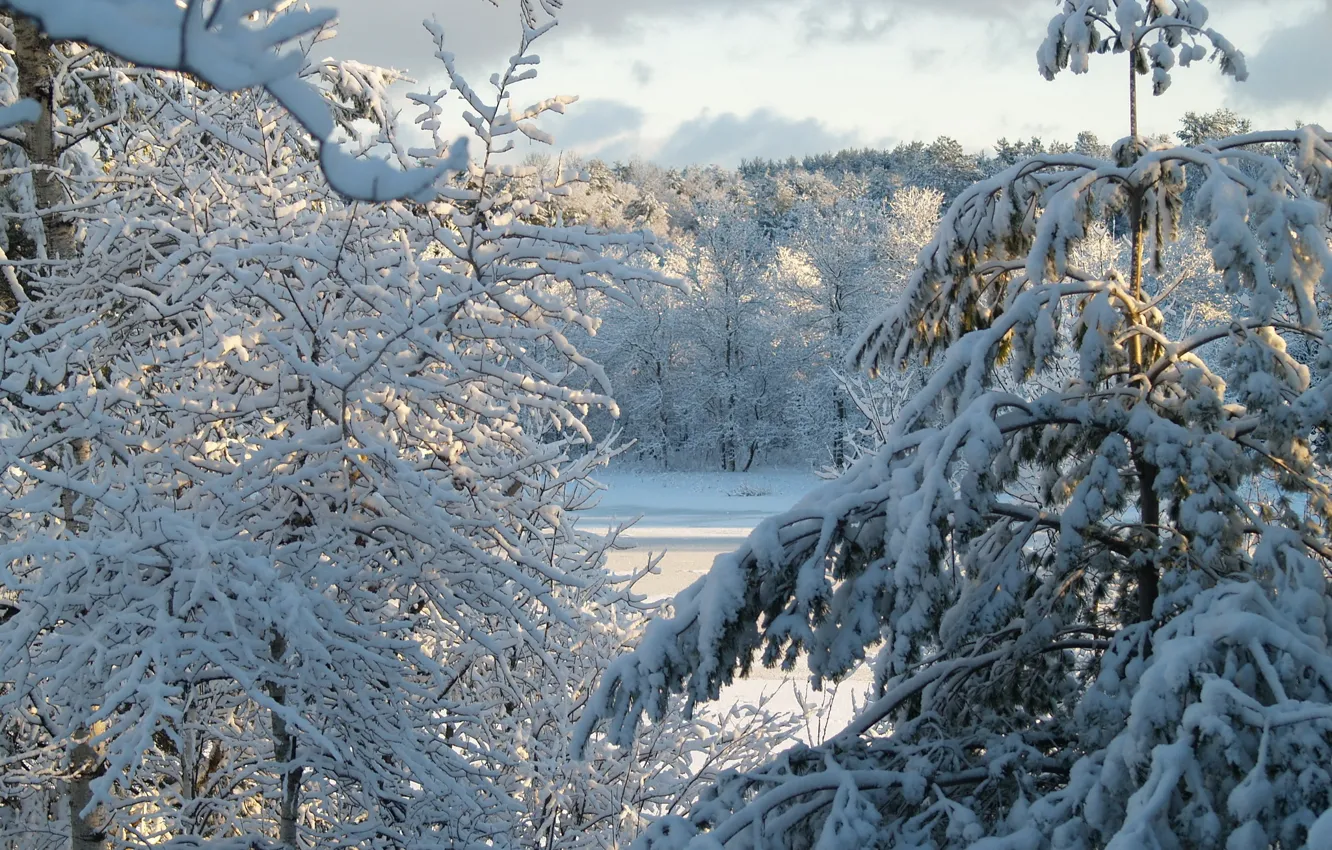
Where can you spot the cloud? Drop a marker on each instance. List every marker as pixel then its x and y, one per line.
pixel 387 32
pixel 591 125
pixel 1293 66
pixel 850 21
pixel 927 57
pixel 727 138
pixel 641 72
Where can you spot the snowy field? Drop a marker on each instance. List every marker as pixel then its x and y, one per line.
pixel 694 516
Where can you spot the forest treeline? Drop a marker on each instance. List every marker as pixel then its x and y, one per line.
pixel 784 264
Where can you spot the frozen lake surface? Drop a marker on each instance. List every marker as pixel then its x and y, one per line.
pixel 694 516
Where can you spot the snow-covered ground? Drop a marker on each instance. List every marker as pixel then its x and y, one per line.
pixel 694 516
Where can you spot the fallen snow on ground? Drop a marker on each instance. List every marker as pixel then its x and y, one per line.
pixel 693 517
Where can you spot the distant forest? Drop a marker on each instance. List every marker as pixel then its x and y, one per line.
pixel 784 263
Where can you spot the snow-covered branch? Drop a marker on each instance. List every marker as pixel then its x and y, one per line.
pixel 219 43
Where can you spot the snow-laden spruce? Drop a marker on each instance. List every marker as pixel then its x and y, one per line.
pixel 1098 613
pixel 287 542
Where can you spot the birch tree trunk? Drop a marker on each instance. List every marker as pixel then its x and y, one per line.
pixel 284 753
pixel 37 63
pixel 85 766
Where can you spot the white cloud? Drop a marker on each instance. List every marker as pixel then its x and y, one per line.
pixel 1292 70
pixel 641 72
pixel 728 138
pixel 590 126
pixel 387 32
pixel 726 79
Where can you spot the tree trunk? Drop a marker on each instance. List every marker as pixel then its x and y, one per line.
pixel 663 422
pixel 730 430
pixel 1149 505
pixel 35 61
pixel 85 766
pixel 839 436
pixel 753 451
pixel 284 753
pixel 36 64
pixel 839 401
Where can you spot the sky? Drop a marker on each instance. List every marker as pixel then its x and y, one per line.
pixel 717 81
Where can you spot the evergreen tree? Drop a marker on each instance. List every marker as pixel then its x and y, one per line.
pixel 1099 612
pixel 1198 129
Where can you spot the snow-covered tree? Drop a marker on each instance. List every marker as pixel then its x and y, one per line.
pixel 1098 614
pixel 288 551
pixel 647 350
pixel 836 279
pixel 909 223
pixel 730 318
pixel 1197 129
pixel 198 538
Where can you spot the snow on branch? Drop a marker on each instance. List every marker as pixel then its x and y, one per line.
pixel 1088 553
pixel 222 45
pixel 1160 35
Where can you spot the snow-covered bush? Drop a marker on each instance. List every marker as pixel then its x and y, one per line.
pixel 1135 651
